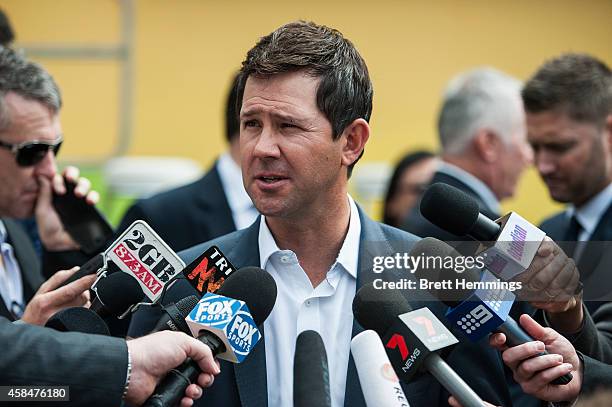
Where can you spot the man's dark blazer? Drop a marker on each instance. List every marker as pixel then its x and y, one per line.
pixel 93 366
pixel 27 260
pixel 245 384
pixel 595 263
pixel 187 215
pixel 416 224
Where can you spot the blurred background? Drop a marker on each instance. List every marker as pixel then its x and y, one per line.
pixel 149 77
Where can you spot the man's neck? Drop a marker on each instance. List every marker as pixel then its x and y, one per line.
pixel 315 239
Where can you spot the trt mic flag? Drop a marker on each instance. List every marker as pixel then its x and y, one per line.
pixel 208 272
pixel 310 371
pixel 229 320
pixel 508 244
pixel 379 383
pixel 142 254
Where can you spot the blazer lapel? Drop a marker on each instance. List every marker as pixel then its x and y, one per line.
pixel 29 265
pixel 594 248
pixel 250 375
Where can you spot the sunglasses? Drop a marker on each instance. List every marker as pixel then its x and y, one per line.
pixel 32 152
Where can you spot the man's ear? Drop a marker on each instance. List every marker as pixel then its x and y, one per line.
pixel 608 129
pixel 486 144
pixel 354 136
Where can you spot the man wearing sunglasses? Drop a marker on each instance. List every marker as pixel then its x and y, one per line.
pixel 30 137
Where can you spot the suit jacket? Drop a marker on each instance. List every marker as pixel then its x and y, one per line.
pixel 188 215
pixel 93 366
pixel 245 384
pixel 27 260
pixel 416 224
pixel 595 264
pixel 596 375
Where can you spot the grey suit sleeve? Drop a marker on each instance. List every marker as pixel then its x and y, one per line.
pixel 93 366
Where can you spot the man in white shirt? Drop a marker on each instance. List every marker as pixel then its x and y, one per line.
pixel 305 101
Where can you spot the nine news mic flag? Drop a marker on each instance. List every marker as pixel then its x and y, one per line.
pixel 412 339
pixel 227 322
pixel 476 313
pixel 379 383
pixel 310 372
pixel 508 245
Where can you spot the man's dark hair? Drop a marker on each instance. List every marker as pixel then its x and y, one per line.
pixel 232 121
pixel 345 90
pixel 578 85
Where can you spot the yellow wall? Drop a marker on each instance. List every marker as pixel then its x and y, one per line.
pixel 186 50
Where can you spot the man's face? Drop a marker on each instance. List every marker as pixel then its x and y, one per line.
pixel 29 121
pixel 290 164
pixel 573 158
pixel 514 157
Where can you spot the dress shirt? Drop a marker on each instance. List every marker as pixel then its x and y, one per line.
pixel 11 285
pixel 243 210
pixel 299 307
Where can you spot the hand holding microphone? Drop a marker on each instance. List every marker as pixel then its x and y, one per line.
pixel 536 373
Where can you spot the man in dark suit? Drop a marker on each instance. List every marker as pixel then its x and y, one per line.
pixel 481 127
pixel 30 136
pixel 212 206
pixel 98 370
pixel 305 99
pixel 569 120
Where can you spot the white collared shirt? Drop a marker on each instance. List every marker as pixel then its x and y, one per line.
pixel 480 188
pixel 299 307
pixel 11 284
pixel 244 212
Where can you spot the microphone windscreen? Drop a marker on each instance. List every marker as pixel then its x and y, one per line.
pixel 431 249
pixel 449 208
pixel 310 371
pixel 377 309
pixel 255 287
pixel 119 291
pixel 78 319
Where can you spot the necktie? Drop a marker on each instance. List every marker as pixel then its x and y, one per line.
pixel 571 236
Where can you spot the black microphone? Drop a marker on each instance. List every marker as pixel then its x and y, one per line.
pixel 310 372
pixel 78 319
pixel 251 285
pixel 115 294
pixel 475 312
pixel 411 338
pixel 173 318
pixel 456 212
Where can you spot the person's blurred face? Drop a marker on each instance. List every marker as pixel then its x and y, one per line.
pixel 29 121
pixel 410 187
pixel 290 164
pixel 573 158
pixel 515 156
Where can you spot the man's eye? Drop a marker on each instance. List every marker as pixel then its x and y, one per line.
pixel 250 123
pixel 288 125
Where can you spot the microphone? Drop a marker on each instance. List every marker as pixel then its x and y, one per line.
pixel 310 371
pixel 227 322
pixel 115 295
pixel 92 266
pixel 174 315
pixel 508 244
pixel 378 380
pixel 412 339
pixel 78 319
pixel 475 312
